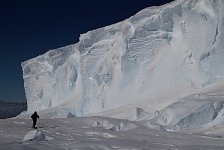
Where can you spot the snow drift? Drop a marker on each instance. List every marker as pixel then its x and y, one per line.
pixel 147 61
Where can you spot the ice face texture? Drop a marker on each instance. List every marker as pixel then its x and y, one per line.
pixel 160 50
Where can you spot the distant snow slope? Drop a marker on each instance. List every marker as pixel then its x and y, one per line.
pixel 8 110
pixel 139 66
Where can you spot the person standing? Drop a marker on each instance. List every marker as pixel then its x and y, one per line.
pixel 34 117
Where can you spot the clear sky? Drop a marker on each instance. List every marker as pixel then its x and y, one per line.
pixel 30 28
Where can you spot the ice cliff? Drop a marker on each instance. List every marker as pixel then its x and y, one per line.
pixel 158 53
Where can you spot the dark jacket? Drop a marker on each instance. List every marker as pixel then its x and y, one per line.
pixel 34 116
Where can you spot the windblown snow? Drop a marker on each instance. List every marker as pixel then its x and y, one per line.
pixel 164 64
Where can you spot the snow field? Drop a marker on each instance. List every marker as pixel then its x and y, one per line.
pixel 84 133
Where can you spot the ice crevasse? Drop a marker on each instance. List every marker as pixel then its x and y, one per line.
pixel 166 50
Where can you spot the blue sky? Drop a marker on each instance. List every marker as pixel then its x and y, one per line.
pixel 30 28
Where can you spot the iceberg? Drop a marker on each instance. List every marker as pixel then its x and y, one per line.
pixel 147 61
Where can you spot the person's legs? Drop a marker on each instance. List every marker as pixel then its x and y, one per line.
pixel 34 123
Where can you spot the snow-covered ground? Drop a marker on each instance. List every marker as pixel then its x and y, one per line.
pixel 100 133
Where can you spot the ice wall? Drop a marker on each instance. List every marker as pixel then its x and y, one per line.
pixel 168 47
pixel 51 79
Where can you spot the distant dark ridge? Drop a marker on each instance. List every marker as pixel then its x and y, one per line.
pixel 9 110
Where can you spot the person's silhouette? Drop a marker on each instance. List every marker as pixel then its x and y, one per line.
pixel 34 117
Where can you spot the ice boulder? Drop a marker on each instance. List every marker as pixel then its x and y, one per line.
pixel 140 114
pixel 127 125
pixel 188 114
pixel 122 125
pixel 34 135
pixel 203 115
